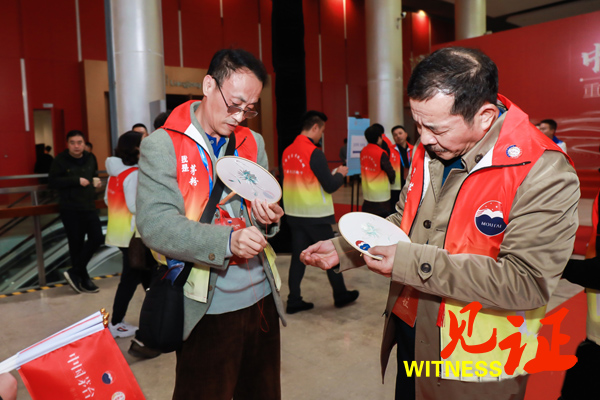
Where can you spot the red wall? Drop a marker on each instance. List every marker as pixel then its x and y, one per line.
pixel 541 69
pixel 343 63
pixel 44 33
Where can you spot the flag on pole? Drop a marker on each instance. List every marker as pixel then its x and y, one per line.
pixel 80 362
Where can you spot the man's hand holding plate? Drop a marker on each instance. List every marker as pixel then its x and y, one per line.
pixel 386 265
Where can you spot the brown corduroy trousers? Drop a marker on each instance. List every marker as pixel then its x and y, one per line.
pixel 231 356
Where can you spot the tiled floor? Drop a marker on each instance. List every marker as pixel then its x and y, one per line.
pixel 327 353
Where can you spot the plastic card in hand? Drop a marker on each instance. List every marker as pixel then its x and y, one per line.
pixel 248 179
pixel 364 230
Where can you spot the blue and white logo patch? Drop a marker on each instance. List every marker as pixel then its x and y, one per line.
pixel 107 377
pixel 489 218
pixel 514 151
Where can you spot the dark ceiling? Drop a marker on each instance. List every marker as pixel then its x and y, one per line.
pixel 509 14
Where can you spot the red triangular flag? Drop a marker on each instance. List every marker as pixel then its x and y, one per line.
pixel 89 368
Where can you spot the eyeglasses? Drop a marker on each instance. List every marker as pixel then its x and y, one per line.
pixel 231 109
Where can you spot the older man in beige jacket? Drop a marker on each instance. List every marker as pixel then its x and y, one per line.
pixel 491 210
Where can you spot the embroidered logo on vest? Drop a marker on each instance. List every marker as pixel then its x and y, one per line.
pixel 489 219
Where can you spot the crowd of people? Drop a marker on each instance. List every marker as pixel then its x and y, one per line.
pixel 488 201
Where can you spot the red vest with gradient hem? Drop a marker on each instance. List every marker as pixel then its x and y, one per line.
pixel 477 225
pixel 119 229
pixel 593 296
pixel 375 182
pixel 192 175
pixel 303 195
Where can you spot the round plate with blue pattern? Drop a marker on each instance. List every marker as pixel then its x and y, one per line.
pixel 364 230
pixel 248 179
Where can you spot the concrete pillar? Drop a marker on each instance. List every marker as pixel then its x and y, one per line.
pixel 384 62
pixel 469 18
pixel 137 63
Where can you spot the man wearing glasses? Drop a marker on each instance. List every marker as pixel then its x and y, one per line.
pixel 231 342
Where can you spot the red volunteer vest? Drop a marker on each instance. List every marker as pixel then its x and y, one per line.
pixel 303 195
pixel 375 182
pixel 483 203
pixel 118 229
pixel 192 175
pixel 477 224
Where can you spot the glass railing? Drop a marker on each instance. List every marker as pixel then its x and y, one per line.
pixel 33 244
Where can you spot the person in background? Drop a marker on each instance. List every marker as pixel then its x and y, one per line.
pixel 344 152
pixel 386 144
pixel 307 187
pixel 120 198
pixel 139 127
pixel 160 119
pixel 74 174
pixel 496 230
pixel 582 379
pixel 232 306
pixel 400 159
pixel 89 147
pixel 392 153
pixel 343 155
pixel 44 159
pixel 548 128
pixel 377 173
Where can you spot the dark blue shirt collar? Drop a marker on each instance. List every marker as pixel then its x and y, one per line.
pixel 216 145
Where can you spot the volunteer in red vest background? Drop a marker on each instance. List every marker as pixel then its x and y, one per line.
pixel 401 154
pixel 307 187
pixel 120 198
pixel 490 206
pixel 231 345
pixel 376 173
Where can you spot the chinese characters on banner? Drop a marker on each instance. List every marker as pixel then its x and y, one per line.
pixel 90 368
pixel 592 59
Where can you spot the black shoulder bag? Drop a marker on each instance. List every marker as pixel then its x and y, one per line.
pixel 161 316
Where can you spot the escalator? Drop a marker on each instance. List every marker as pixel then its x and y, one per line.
pixel 18 257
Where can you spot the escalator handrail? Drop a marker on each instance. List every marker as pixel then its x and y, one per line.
pixel 43 209
pixel 28 176
pixel 31 176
